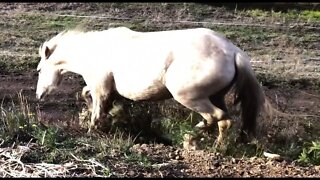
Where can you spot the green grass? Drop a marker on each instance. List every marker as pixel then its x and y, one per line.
pixel 20 125
pixel 8 66
pixel 291 15
pixel 255 149
pixel 39 21
pixel 142 159
pixel 311 15
pixel 310 153
pixel 175 129
pixel 258 13
pixel 16 119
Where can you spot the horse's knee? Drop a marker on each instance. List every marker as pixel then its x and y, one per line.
pixel 89 130
pixel 85 92
pixel 86 95
pixel 224 124
pixel 211 119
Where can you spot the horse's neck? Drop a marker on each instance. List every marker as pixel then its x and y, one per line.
pixel 77 60
pixel 89 69
pixel 68 62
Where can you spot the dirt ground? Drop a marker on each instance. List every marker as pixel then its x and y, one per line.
pixel 62 109
pixel 167 161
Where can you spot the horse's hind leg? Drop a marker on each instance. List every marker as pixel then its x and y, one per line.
pixel 225 123
pixel 211 113
pixel 223 120
pixel 218 102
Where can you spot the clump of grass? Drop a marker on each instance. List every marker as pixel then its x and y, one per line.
pixel 305 15
pixel 20 126
pixel 175 129
pixel 19 123
pixel 310 153
pixel 118 144
pixel 290 15
pixel 258 13
pixel 16 119
pixel 311 15
pixel 254 149
pixel 136 157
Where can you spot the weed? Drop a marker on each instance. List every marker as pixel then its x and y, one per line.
pixel 311 15
pixel 310 153
pixel 258 13
pixel 176 129
pixel 107 172
pixel 245 150
pixel 16 120
pixel 141 158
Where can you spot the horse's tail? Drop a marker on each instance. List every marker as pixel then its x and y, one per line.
pixel 249 94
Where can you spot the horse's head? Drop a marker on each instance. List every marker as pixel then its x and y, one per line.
pixel 49 74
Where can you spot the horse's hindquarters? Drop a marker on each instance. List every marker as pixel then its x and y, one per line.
pixel 199 78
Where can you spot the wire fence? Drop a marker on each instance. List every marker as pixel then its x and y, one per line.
pixel 312 63
pixel 213 22
pixel 314 26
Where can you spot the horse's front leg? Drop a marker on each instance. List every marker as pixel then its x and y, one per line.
pixel 101 99
pixel 95 113
pixel 86 95
pixel 98 102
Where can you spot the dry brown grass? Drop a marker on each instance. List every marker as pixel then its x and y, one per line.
pixel 12 166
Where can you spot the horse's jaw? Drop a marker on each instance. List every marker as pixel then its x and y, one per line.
pixel 41 93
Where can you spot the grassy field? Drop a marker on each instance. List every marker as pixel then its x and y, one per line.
pixel 284 47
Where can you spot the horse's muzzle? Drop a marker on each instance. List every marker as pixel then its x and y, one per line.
pixel 42 93
pixel 40 96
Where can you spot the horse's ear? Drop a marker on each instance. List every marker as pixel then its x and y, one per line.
pixel 48 51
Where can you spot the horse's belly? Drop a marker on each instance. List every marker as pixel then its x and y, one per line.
pixel 139 91
pixel 142 77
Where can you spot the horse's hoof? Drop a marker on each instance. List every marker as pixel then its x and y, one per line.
pixel 89 131
pixel 201 125
pixel 189 142
pixel 217 144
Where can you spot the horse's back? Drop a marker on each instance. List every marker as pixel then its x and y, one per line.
pixel 152 60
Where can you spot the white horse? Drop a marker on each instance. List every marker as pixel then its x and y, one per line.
pixel 196 67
